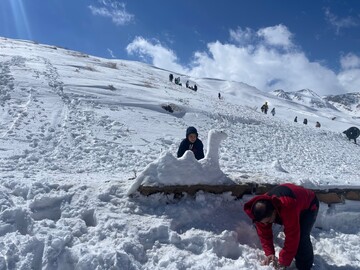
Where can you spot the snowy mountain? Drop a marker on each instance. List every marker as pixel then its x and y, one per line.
pixel 77 130
pixel 304 96
pixel 349 103
pixel 281 94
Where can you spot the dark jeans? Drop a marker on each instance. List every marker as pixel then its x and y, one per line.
pixel 304 257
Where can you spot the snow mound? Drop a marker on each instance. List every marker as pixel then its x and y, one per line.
pixel 168 170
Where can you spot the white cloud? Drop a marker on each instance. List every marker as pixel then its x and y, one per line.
pixel 266 69
pixel 350 61
pixel 242 36
pixel 349 77
pixel 277 35
pixel 339 23
pixel 160 56
pixel 114 10
pixel 265 64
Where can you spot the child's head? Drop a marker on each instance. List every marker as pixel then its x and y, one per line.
pixel 191 134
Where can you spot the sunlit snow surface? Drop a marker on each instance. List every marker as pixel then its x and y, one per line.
pixel 76 132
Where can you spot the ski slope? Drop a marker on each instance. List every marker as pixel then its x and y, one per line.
pixel 76 130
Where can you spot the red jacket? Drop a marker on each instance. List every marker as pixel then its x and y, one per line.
pixel 289 201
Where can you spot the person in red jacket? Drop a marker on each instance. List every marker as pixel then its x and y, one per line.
pixel 296 209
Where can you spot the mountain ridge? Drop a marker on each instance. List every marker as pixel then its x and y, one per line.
pixel 348 103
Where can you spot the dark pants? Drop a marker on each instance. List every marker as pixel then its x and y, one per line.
pixel 304 257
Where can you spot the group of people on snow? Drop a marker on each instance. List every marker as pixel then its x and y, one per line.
pixel 177 81
pixel 194 87
pixel 265 107
pixel 305 122
pixel 292 206
pixel 352 133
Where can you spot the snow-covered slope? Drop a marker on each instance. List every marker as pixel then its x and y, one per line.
pixel 75 130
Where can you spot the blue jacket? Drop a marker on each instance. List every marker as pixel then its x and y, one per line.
pixel 197 148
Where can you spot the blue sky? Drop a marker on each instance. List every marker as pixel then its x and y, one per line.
pixel 268 44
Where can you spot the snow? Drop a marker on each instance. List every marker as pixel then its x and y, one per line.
pixel 168 170
pixel 79 133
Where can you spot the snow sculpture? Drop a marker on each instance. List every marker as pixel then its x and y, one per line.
pixel 168 170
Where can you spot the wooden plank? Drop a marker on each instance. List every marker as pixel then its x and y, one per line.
pixel 353 195
pixel 328 196
pixel 236 190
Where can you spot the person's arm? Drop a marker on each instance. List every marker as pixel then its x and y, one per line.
pixel 201 150
pixel 265 234
pixel 182 149
pixel 291 222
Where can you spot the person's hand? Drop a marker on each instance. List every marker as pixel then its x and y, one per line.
pixel 270 259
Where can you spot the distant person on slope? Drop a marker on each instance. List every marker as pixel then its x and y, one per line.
pixel 171 77
pixel 273 111
pixel 295 119
pixel 265 107
pixel 352 133
pixel 305 121
pixel 317 124
pixel 296 209
pixel 193 143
